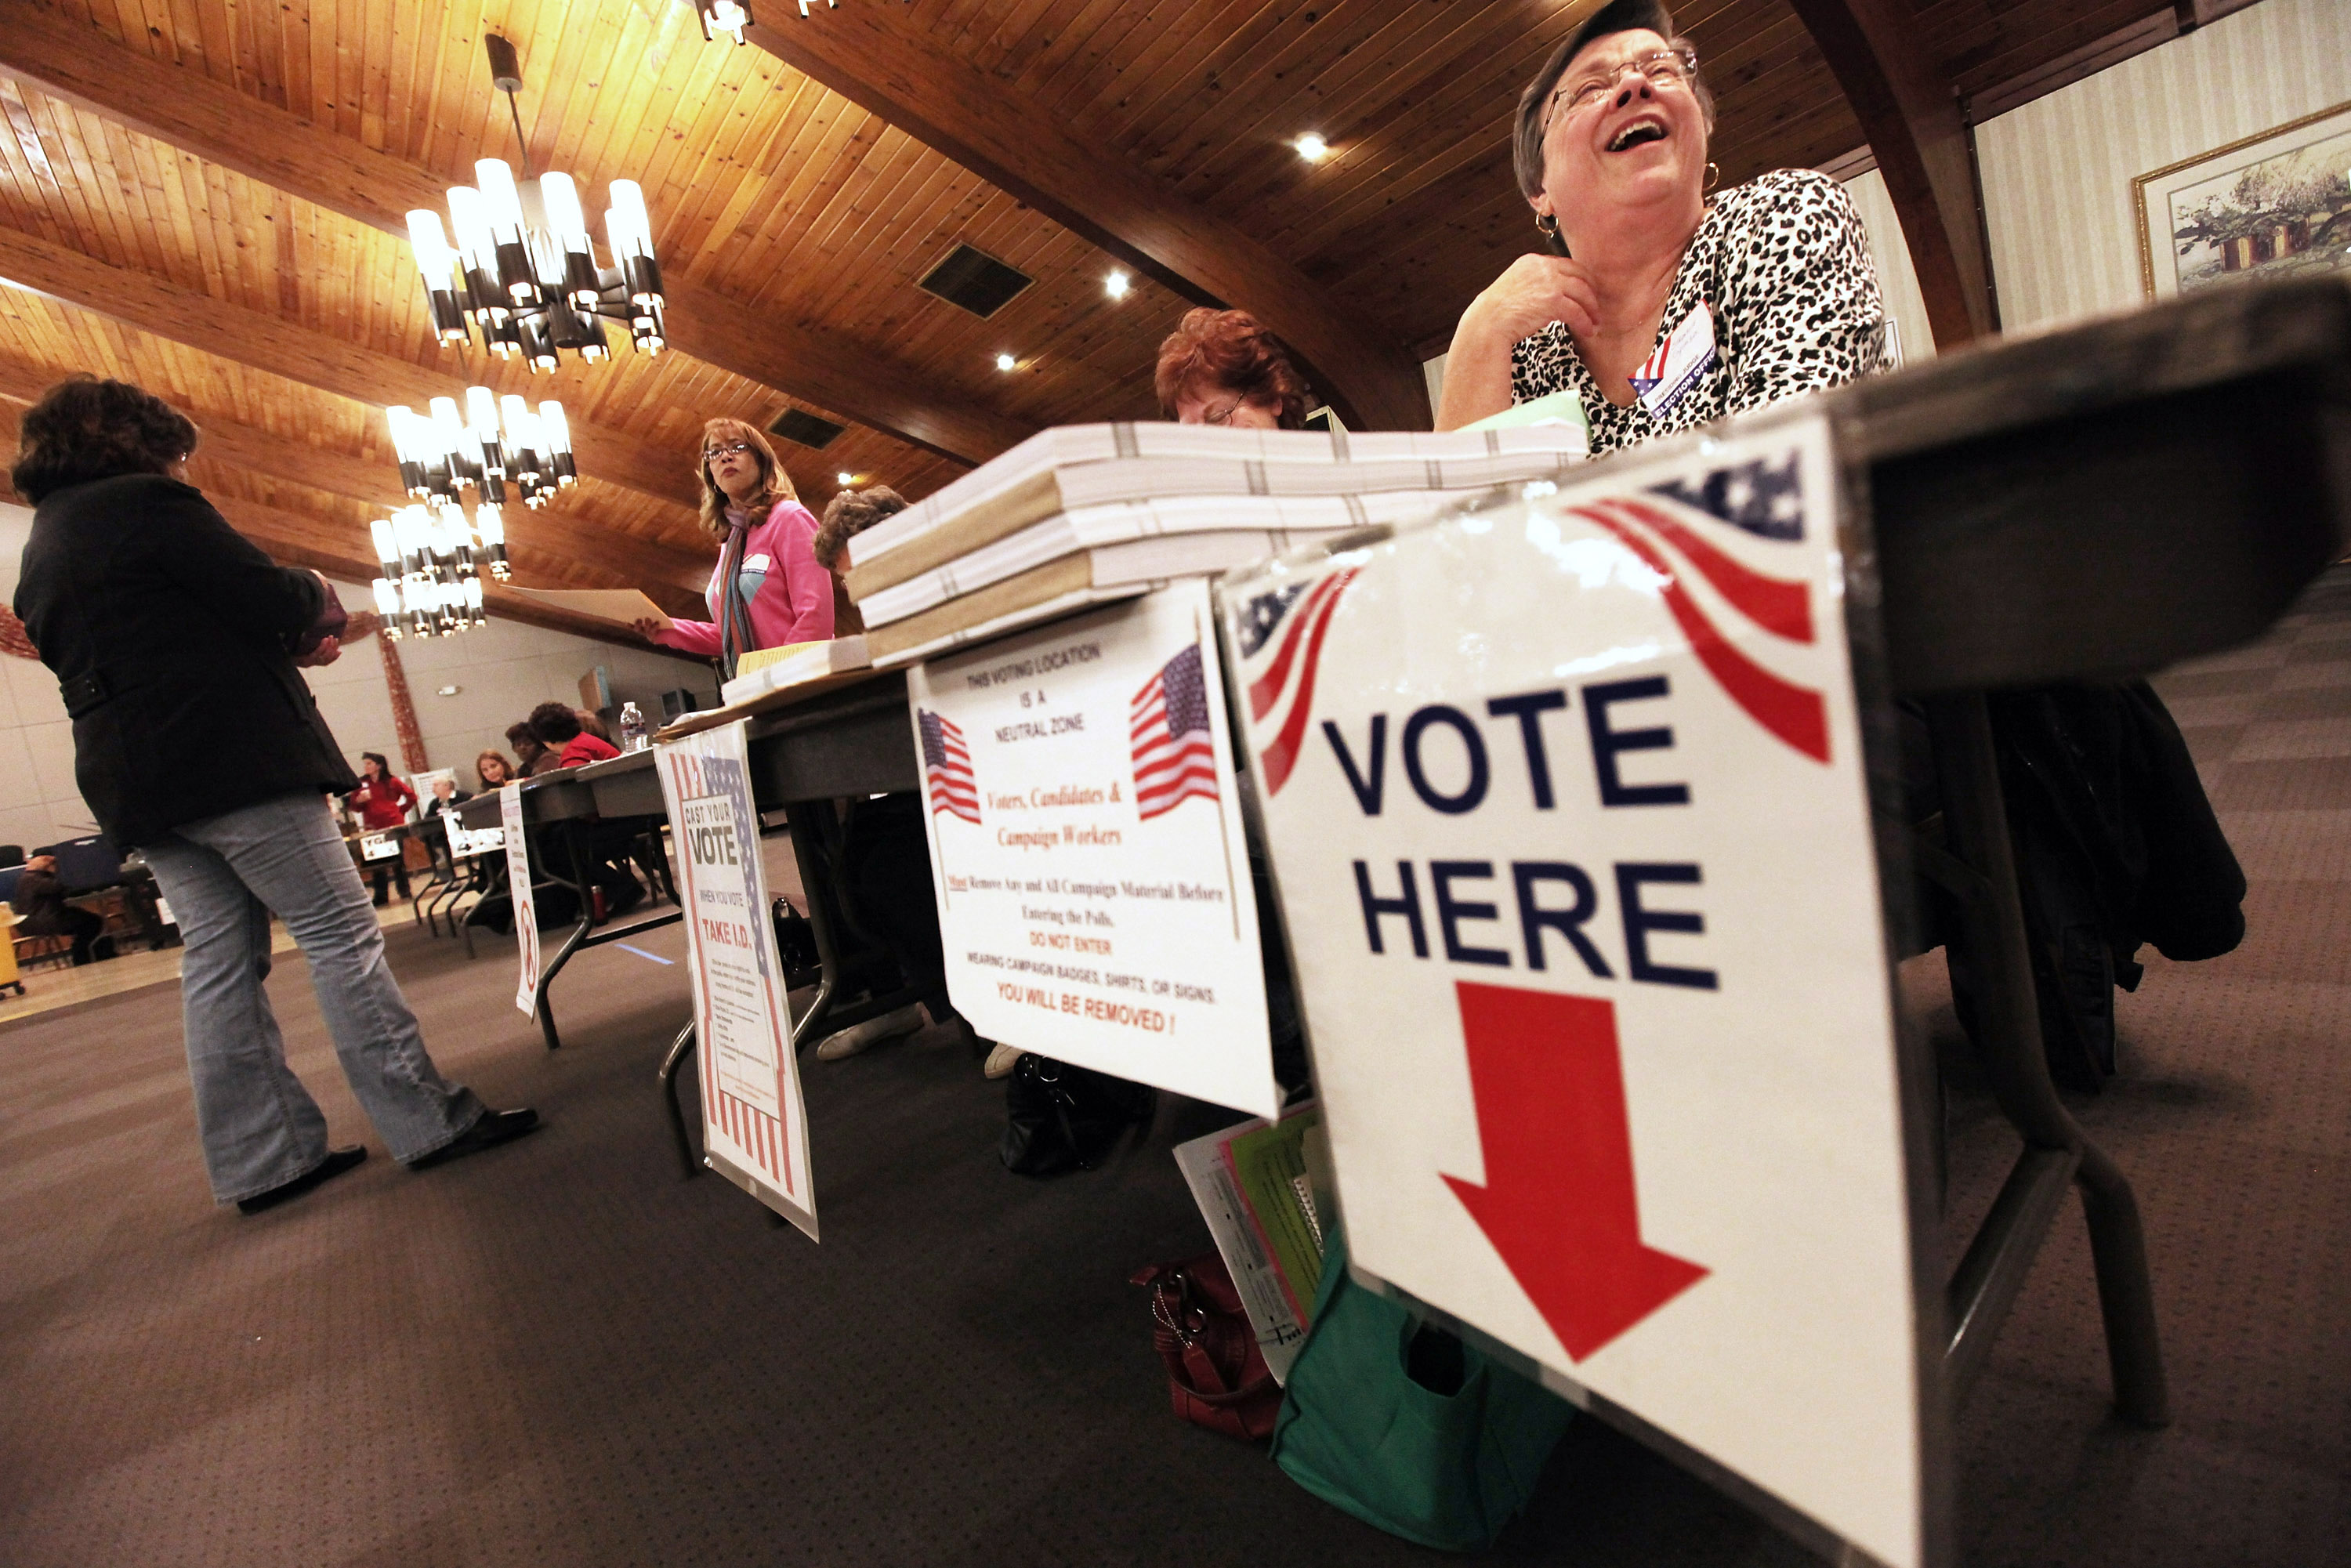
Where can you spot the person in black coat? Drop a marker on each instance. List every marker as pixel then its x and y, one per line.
pixel 175 642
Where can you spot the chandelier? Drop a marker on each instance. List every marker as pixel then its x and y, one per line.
pixel 496 439
pixel 525 269
pixel 731 16
pixel 430 586
pixel 726 17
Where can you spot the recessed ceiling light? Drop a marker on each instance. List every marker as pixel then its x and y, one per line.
pixel 1116 284
pixel 1007 362
pixel 448 691
pixel 1312 147
pixel 846 479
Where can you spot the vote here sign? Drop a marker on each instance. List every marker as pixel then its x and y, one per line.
pixel 1092 874
pixel 754 1125
pixel 1566 806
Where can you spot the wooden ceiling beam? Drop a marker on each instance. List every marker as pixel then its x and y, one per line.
pixel 1910 113
pixel 894 70
pixel 287 152
pixel 541 543
pixel 269 342
pixel 289 538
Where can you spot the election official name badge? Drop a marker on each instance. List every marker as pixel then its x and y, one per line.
pixel 1688 351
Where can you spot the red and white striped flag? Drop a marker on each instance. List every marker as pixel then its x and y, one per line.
pixel 946 768
pixel 1174 755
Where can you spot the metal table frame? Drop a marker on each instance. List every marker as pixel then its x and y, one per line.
pixel 563 807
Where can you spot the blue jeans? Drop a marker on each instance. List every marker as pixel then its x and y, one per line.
pixel 260 1127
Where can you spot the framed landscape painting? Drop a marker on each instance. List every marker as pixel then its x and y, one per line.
pixel 2272 205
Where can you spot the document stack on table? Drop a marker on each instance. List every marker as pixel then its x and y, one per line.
pixel 792 664
pixel 1088 513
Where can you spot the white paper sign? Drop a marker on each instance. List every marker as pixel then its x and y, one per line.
pixel 1092 872
pixel 526 915
pixel 1566 803
pixel 379 847
pixel 754 1127
pixel 464 843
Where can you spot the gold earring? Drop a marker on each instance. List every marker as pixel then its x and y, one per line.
pixel 1713 175
pixel 1547 226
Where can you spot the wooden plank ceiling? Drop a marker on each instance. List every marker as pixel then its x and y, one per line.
pixel 776 198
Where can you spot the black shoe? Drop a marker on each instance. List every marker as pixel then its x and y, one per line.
pixel 336 1162
pixel 496 1127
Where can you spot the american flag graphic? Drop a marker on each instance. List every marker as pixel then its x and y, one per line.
pixel 1667 537
pixel 946 768
pixel 1174 755
pixel 1280 636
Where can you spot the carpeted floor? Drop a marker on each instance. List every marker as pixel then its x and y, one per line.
pixel 560 1353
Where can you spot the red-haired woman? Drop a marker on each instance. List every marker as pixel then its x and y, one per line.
pixel 1221 367
pixel 768 589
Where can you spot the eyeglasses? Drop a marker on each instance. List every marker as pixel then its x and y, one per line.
pixel 1677 65
pixel 713 453
pixel 1223 416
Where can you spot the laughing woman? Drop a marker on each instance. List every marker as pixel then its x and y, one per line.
pixel 768 589
pixel 1746 297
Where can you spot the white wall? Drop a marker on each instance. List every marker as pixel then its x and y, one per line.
pixel 501 671
pixel 2057 172
pixel 1897 281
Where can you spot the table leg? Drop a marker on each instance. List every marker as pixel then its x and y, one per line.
pixel 571 834
pixel 490 871
pixel 2056 1149
pixel 680 1049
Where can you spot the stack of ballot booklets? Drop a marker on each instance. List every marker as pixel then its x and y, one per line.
pixel 791 664
pixel 1088 513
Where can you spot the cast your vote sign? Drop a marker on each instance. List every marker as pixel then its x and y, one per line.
pixel 1091 866
pixel 1566 806
pixel 754 1123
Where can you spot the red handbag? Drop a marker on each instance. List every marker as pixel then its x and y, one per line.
pixel 1217 1377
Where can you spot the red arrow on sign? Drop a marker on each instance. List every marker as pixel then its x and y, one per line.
pixel 1558 1203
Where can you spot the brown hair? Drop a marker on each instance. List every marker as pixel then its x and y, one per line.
pixel 850 514
pixel 84 429
pixel 1229 350
pixel 1618 16
pixel 775 484
pixel 508 771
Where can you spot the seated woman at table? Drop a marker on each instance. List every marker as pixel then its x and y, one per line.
pixel 1765 288
pixel 494 770
pixel 767 589
pixel 1221 367
pixel 558 726
pixel 532 756
pixel 886 860
pixel 846 515
pixel 383 799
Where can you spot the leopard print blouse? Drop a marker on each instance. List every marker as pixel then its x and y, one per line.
pixel 1784 265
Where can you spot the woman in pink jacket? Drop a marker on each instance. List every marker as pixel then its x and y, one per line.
pixel 779 594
